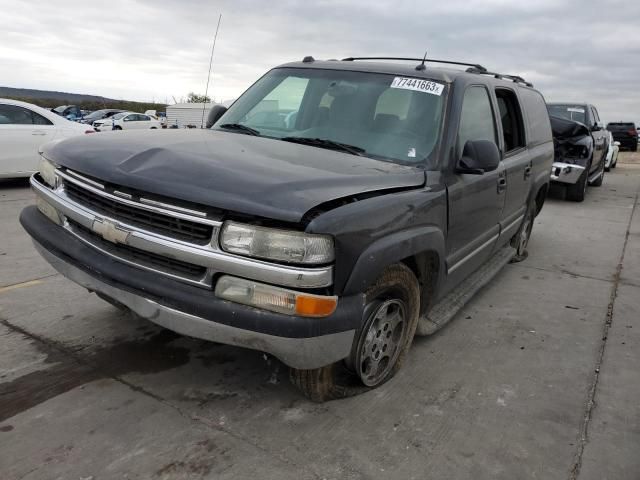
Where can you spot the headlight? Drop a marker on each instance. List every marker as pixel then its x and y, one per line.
pixel 47 171
pixel 278 245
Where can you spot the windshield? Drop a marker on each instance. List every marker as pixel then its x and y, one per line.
pixel 118 116
pixel 97 114
pixel 570 112
pixel 383 116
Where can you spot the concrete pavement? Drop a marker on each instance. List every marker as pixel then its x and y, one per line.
pixel 538 377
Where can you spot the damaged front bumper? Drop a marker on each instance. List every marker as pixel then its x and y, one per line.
pixel 566 172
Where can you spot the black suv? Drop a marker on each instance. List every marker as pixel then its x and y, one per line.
pixel 625 133
pixel 333 211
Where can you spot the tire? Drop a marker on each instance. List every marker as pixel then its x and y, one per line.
pixel 634 148
pixel 577 191
pixel 614 162
pixel 117 127
pixel 598 182
pixel 389 325
pixel 520 240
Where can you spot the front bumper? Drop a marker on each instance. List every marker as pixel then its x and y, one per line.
pixel 566 172
pixel 190 310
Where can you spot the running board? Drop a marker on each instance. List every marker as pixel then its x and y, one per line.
pixel 442 312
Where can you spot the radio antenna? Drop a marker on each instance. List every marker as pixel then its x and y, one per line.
pixel 422 66
pixel 206 91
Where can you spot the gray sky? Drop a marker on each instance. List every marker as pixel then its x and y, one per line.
pixel 144 50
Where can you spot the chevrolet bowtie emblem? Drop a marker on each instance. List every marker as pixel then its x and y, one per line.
pixel 110 231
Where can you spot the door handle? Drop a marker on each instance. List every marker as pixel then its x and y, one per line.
pixel 527 171
pixel 38 132
pixel 502 184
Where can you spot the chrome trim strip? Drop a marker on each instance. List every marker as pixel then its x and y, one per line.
pixel 122 194
pixel 465 259
pixel 517 220
pixel 139 205
pixel 305 353
pixel 81 177
pixel 172 207
pixel 217 261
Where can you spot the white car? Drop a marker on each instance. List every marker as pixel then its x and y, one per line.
pixel 24 128
pixel 612 154
pixel 127 121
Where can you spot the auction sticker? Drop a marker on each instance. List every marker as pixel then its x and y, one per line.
pixel 418 85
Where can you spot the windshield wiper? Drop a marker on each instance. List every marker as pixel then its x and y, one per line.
pixel 326 143
pixel 240 128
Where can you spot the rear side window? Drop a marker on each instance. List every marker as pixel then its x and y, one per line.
pixel 476 120
pixel 14 115
pixel 511 120
pixel 535 110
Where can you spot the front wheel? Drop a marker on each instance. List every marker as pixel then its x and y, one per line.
pixel 117 127
pixel 380 345
pixel 577 191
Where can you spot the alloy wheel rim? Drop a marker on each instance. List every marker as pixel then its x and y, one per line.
pixel 382 342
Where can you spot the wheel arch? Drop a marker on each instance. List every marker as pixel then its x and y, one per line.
pixel 420 249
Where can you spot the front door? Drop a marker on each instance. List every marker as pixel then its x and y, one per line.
pixel 475 201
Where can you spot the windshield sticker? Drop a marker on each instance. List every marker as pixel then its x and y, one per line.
pixel 574 109
pixel 411 153
pixel 424 86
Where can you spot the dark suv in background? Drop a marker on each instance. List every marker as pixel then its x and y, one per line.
pixel 336 209
pixel 625 133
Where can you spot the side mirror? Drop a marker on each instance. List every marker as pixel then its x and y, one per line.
pixel 597 127
pixel 478 157
pixel 214 114
pixel 616 144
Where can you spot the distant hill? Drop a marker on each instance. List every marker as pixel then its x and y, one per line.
pixel 63 97
pixel 51 99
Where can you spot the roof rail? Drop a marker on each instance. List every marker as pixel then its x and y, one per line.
pixel 514 78
pixel 433 60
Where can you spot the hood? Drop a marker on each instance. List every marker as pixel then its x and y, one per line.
pixel 563 128
pixel 230 171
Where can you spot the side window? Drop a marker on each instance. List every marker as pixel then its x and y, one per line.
pixel 143 118
pixel 15 115
pixel 129 118
pixel 535 110
pixel 39 119
pixel 596 117
pixel 278 110
pixel 476 119
pixel 511 120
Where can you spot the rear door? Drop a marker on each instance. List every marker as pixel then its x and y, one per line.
pixel 22 132
pixel 516 161
pixel 475 201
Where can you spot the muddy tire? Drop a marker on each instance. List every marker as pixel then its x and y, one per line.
pixel 380 345
pixel 520 240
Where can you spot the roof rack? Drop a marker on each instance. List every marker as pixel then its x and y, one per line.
pixel 473 67
pixel 502 76
pixel 432 60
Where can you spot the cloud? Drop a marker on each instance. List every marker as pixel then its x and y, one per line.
pixel 157 49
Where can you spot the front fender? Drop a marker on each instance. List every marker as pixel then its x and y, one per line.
pixel 392 249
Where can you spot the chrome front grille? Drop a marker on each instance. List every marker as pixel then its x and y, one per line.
pixel 150 220
pixel 139 257
pixel 159 235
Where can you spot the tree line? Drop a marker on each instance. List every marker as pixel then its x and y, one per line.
pixel 93 105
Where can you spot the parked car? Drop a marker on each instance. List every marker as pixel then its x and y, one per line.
pixel 612 154
pixel 100 114
pixel 328 242
pixel 70 112
pixel 127 121
pixel 24 128
pixel 580 147
pixel 625 133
